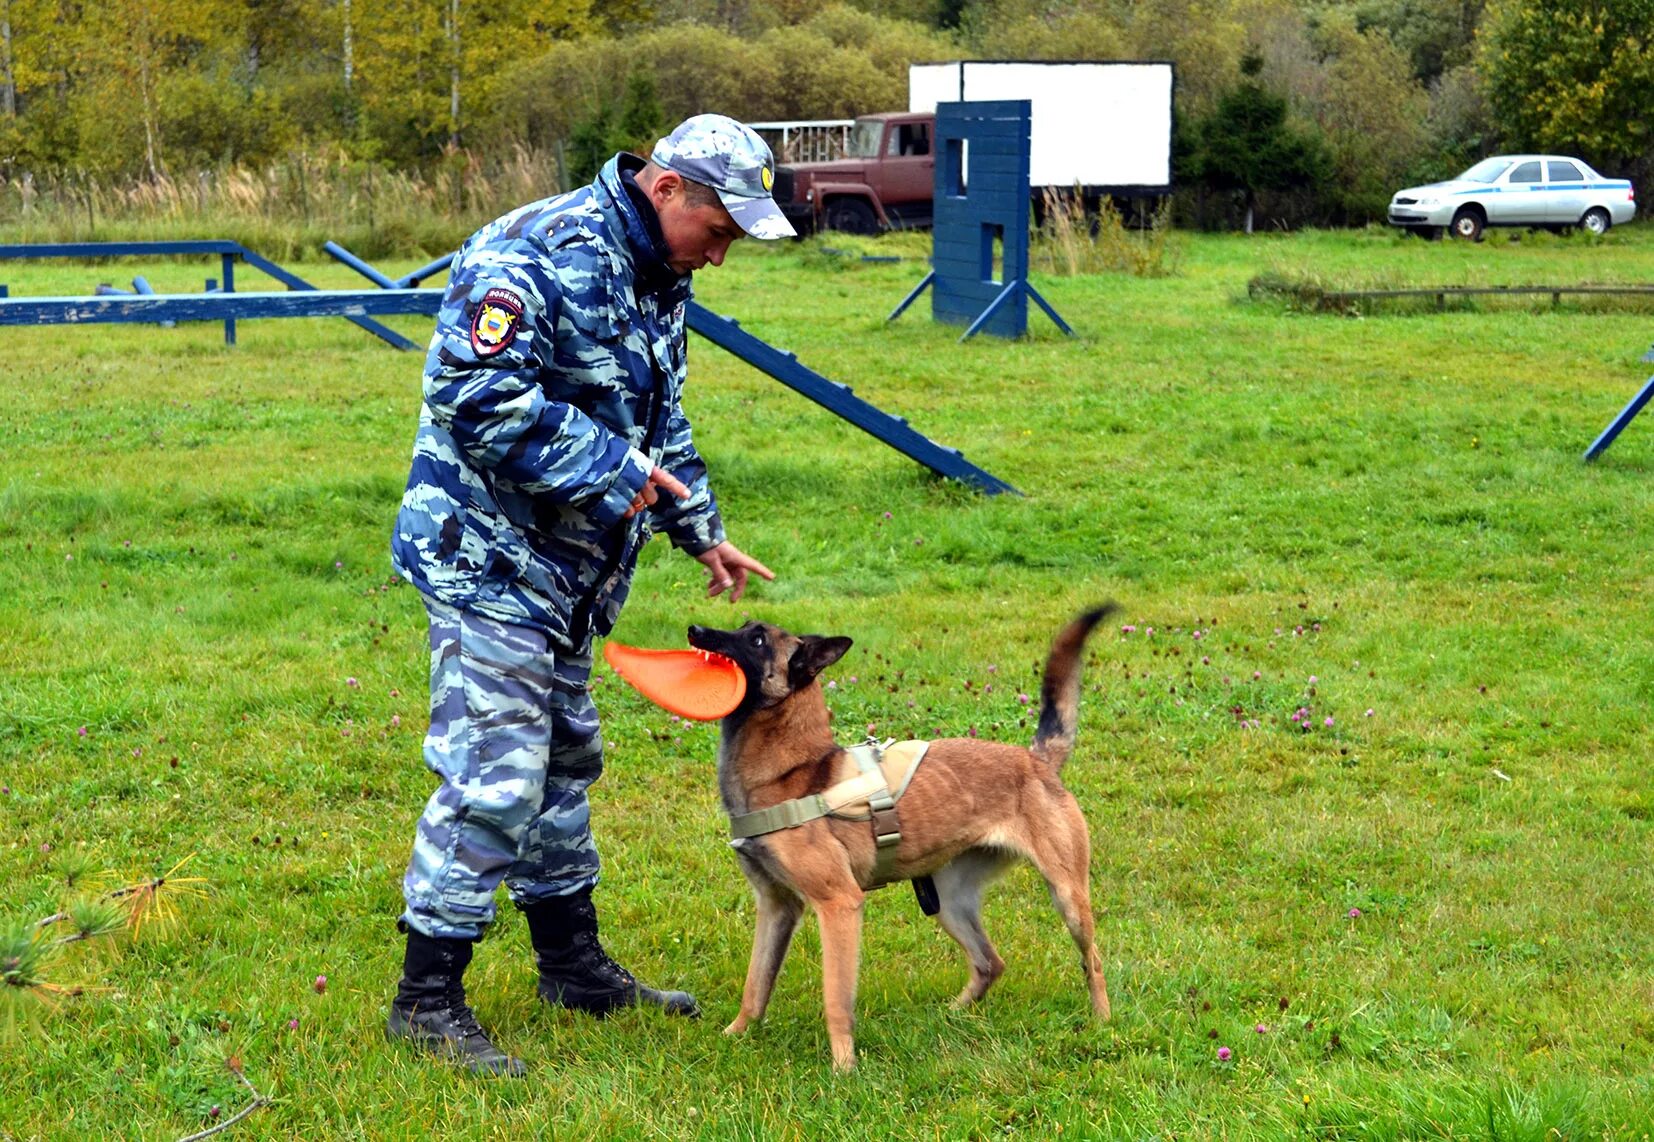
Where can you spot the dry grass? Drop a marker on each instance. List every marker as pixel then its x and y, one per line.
pixel 315 195
pixel 1072 241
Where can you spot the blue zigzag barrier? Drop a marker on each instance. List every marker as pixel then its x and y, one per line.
pixel 227 307
pixel 218 302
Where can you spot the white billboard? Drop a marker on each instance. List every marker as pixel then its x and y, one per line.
pixel 1105 125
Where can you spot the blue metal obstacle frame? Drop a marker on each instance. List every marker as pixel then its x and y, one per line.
pixel 398 295
pixel 972 219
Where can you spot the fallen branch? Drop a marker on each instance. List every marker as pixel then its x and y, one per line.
pixel 258 1101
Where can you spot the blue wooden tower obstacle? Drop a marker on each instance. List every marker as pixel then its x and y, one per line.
pixel 972 219
pixel 397 295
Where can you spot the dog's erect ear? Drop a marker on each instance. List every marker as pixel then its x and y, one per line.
pixel 814 654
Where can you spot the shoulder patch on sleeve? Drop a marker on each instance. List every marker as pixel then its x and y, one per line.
pixel 495 321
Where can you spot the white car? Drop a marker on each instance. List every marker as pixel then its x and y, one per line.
pixel 1552 191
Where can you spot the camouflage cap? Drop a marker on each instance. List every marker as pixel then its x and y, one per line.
pixel 729 157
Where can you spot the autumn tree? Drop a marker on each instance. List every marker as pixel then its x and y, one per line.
pixel 126 63
pixel 633 126
pixel 1358 88
pixel 1435 35
pixel 840 62
pixel 37 53
pixel 424 69
pixel 1575 76
pixel 1029 29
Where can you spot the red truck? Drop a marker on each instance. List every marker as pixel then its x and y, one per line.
pixel 884 182
pixel 1097 127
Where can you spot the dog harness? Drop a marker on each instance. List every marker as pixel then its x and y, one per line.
pixel 883 772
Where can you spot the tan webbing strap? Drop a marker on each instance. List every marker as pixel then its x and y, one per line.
pixel 914 752
pixel 801 810
pixel 787 815
pixel 887 828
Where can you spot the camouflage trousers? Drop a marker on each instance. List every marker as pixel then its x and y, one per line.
pixel 515 741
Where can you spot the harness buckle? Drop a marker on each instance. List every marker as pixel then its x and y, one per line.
pixel 887 829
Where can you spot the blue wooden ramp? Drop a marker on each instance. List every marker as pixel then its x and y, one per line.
pixel 838 398
pixel 785 367
pixel 1617 425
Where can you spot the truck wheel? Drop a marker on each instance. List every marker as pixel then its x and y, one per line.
pixel 851 215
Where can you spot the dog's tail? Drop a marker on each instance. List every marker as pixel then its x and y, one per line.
pixel 1060 693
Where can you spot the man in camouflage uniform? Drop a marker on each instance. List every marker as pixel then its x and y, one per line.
pixel 550 430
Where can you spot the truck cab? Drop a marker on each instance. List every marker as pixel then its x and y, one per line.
pixel 884 182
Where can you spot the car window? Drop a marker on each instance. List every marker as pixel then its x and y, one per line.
pixel 1565 172
pixel 1526 172
pixel 1485 171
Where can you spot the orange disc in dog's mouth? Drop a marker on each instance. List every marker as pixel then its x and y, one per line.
pixel 693 684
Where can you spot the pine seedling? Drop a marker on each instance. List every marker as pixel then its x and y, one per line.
pixel 26 958
pixel 29 953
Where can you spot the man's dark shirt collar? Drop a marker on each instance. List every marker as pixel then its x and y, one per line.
pixel 652 272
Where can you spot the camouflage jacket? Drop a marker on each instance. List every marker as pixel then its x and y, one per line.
pixel 552 387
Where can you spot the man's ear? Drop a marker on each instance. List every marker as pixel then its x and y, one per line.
pixel 665 185
pixel 815 653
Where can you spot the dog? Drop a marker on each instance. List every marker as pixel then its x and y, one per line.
pixel 969 811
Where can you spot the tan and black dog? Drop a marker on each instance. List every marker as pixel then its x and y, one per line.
pixel 971 809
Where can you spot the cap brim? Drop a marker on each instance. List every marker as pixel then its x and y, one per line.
pixel 760 217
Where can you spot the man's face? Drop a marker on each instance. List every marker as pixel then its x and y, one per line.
pixel 696 235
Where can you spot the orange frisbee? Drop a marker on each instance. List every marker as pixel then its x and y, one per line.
pixel 693 684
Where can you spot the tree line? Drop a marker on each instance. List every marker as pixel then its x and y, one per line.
pixel 1357 97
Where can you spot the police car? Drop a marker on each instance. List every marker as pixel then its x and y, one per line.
pixel 1552 191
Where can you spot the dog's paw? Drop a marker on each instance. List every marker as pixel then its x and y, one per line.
pixel 737 1026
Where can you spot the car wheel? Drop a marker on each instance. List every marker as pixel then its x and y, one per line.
pixel 851 215
pixel 1596 221
pixel 1467 224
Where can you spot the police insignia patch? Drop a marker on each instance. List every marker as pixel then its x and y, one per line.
pixel 494 323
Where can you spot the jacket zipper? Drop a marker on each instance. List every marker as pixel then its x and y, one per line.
pixel 588 602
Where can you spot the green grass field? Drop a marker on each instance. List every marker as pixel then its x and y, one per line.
pixel 1370 806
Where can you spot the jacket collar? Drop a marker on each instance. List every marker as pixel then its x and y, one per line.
pixel 643 244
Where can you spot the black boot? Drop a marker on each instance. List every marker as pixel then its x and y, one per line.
pixel 575 971
pixel 430 1008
